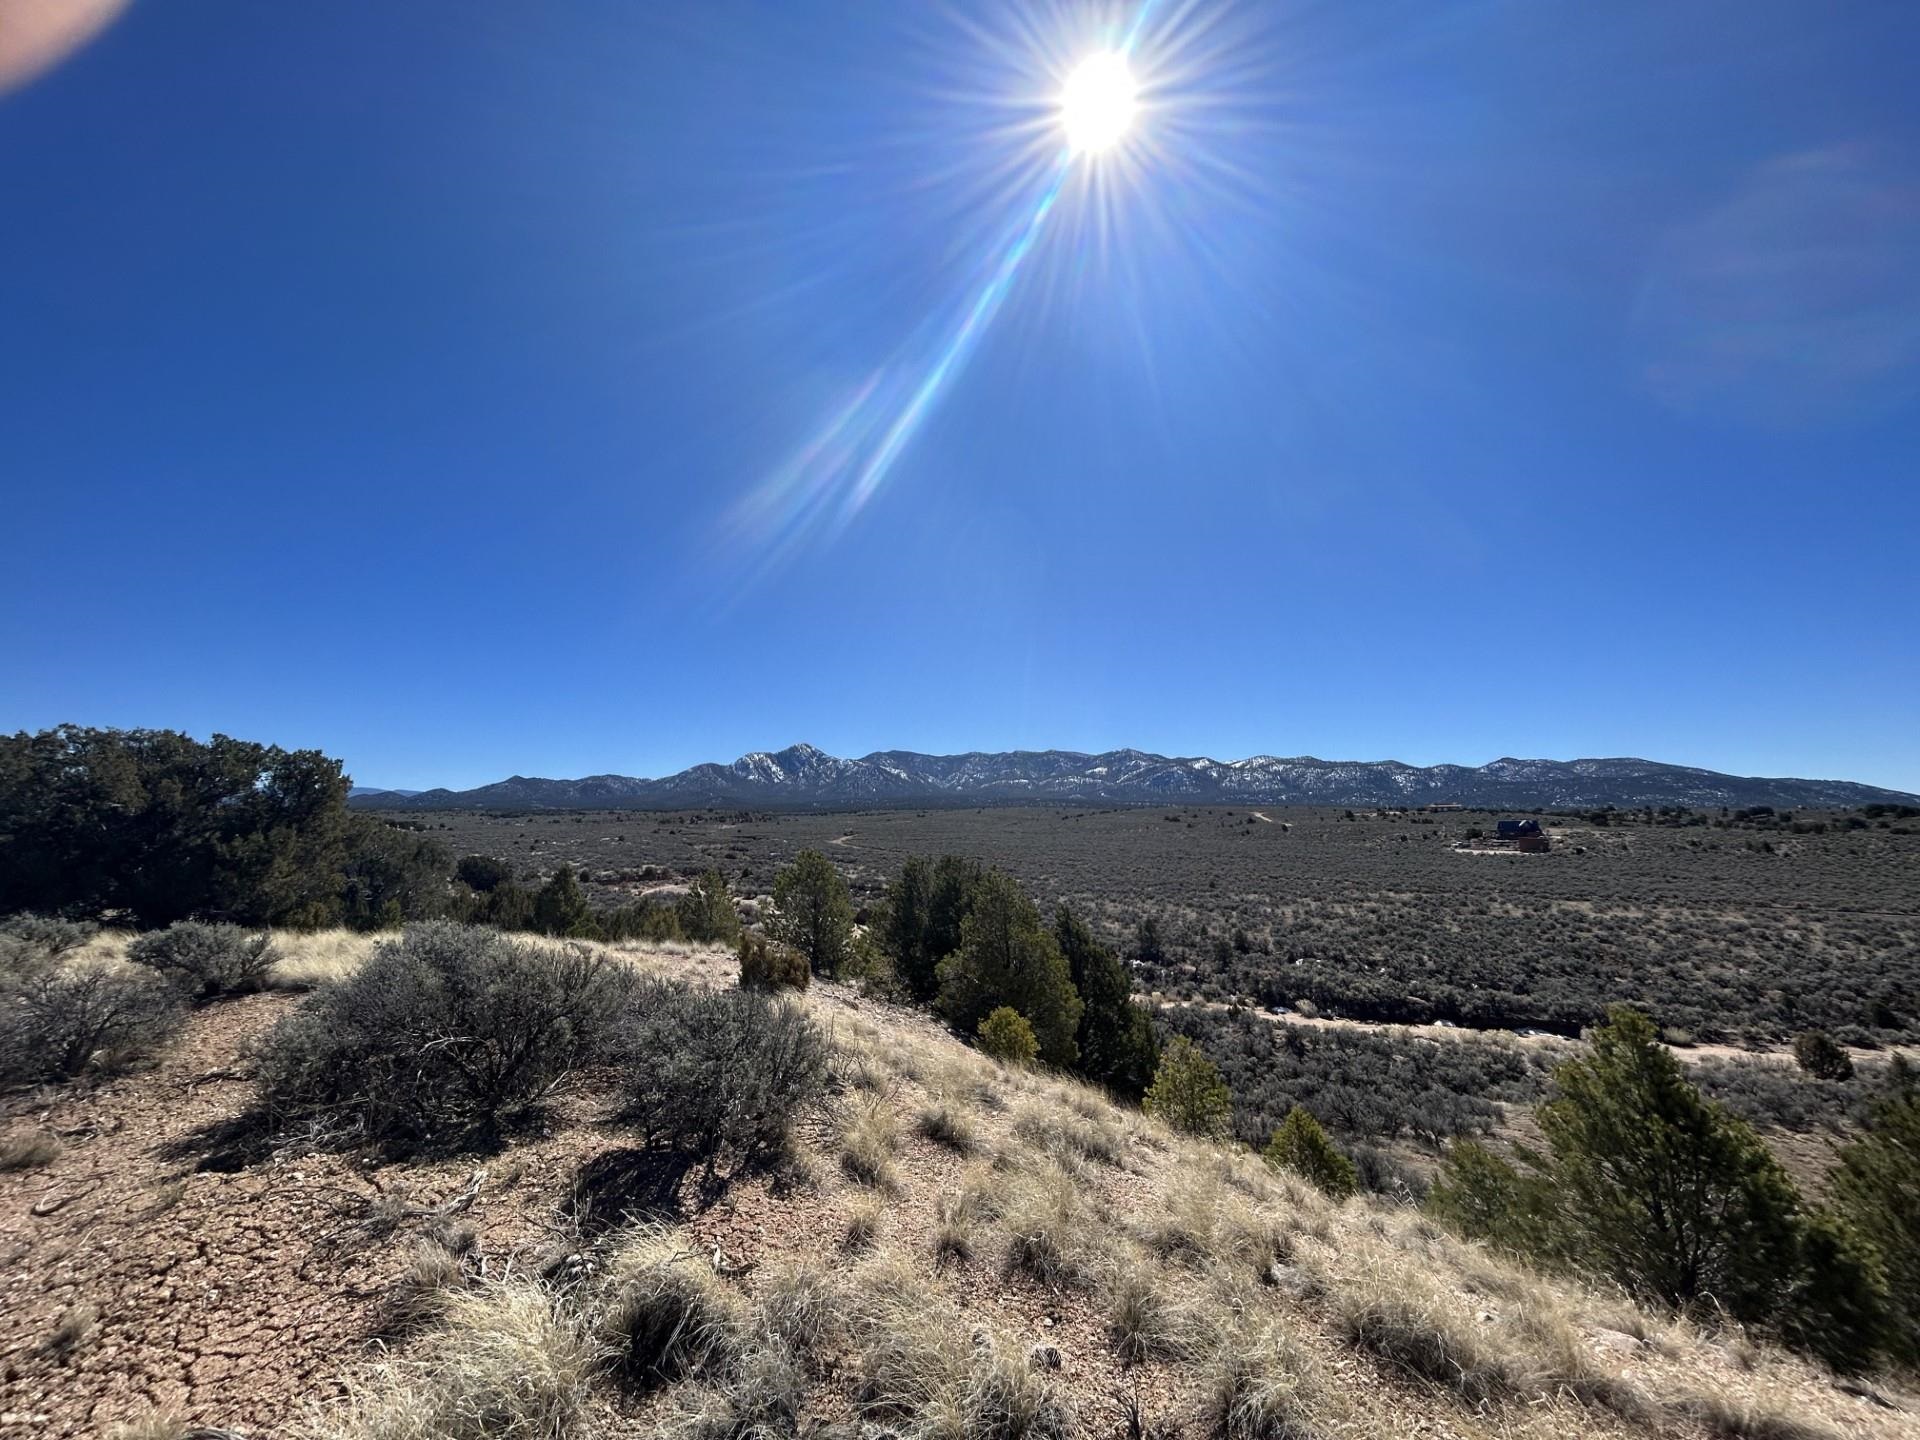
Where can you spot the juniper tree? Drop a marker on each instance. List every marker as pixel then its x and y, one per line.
pixel 905 929
pixel 1300 1145
pixel 1006 1035
pixel 1115 1036
pixel 1822 1057
pixel 559 907
pixel 1664 1192
pixel 1008 957
pixel 1188 1093
pixel 706 912
pixel 1876 1186
pixel 813 913
pixel 956 885
pixel 1674 1197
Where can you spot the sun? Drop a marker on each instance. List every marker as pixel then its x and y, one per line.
pixel 1098 104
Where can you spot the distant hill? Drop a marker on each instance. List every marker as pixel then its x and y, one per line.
pixel 803 777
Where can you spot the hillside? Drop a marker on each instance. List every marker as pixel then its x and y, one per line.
pixel 950 1248
pixel 802 776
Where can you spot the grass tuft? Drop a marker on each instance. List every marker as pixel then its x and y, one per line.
pixel 864 1220
pixel 72 1330
pixel 1048 1229
pixel 945 1123
pixel 916 1368
pixel 665 1314
pixel 506 1365
pixel 418 1295
pixel 1413 1333
pixel 798 1309
pixel 867 1144
pixel 1069 1133
pixel 1140 1321
pixel 29 1151
pixel 1256 1385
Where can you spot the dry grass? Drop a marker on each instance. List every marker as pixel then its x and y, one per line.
pixel 759 1393
pixel 1142 1321
pixel 798 1308
pixel 418 1296
pixel 867 1143
pixel 1422 1333
pixel 158 1426
pixel 1197 1219
pixel 1050 1233
pixel 1259 1384
pixel 1068 1134
pixel 866 1216
pixel 943 1121
pixel 28 1150
pixel 962 1209
pixel 967 1079
pixel 1240 1300
pixel 916 1367
pixel 910 1354
pixel 306 961
pixel 1724 1418
pixel 508 1364
pixel 73 1329
pixel 663 1313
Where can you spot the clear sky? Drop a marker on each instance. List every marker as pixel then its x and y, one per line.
pixel 476 388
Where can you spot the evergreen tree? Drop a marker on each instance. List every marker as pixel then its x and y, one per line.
pixel 1008 957
pixel 1837 1304
pixel 505 907
pixel 706 912
pixel 391 875
pixel 1667 1194
pixel 559 907
pixel 1512 1207
pixel 1876 1187
pixel 905 929
pixel 1147 944
pixel 166 827
pixel 482 874
pixel 813 912
pixel 1300 1145
pixel 1115 1037
pixel 956 885
pixel 1006 1035
pixel 1675 1198
pixel 1188 1093
pixel 1822 1057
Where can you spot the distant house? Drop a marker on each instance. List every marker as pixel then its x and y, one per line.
pixel 1442 807
pixel 1522 835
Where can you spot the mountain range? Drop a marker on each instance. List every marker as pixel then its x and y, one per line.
pixel 804 777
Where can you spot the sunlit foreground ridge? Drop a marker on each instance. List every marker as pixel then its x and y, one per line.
pixel 944 1246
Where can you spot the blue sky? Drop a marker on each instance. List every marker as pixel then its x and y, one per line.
pixel 453 386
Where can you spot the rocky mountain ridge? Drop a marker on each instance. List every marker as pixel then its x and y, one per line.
pixel 805 777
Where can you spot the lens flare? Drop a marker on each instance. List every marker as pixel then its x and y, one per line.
pixel 820 489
